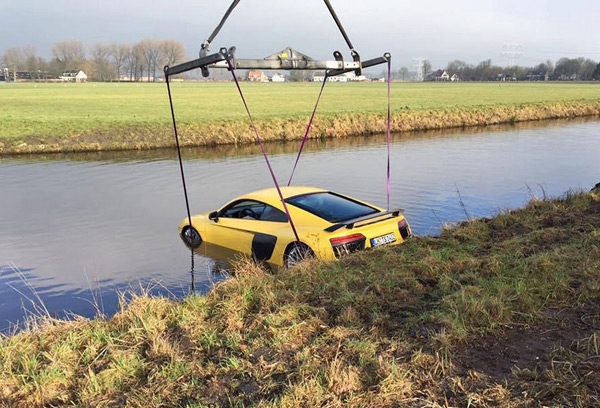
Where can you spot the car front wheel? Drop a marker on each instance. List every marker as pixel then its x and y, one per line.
pixel 296 253
pixel 191 237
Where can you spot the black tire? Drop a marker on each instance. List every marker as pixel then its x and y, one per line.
pixel 297 253
pixel 191 237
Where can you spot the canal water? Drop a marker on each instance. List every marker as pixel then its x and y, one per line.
pixel 78 230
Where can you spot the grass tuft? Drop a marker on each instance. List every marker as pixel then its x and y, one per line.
pixel 487 314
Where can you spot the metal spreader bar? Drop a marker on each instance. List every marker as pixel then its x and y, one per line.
pixel 365 64
pixel 288 59
pixel 201 62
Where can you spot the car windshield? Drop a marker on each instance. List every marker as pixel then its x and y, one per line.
pixel 331 207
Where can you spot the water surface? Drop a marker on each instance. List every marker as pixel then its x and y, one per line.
pixel 77 229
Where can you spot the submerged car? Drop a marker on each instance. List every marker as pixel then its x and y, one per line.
pixel 328 225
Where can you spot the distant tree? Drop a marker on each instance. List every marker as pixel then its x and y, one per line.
pixel 301 76
pixel 150 53
pixel 136 61
pixel 403 72
pixel 119 54
pixel 544 67
pixel 596 74
pixel 171 52
pixel 456 67
pixel 33 63
pixel 586 71
pixel 567 69
pixel 103 70
pixel 426 69
pixel 14 60
pixel 70 55
pixel 483 71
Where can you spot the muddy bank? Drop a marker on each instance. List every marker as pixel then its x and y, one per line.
pixel 158 136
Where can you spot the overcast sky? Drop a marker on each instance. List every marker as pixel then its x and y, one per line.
pixel 471 30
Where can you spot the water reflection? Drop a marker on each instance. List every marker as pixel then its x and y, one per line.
pixel 221 152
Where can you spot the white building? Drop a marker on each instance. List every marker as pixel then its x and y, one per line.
pixel 73 76
pixel 277 78
pixel 347 77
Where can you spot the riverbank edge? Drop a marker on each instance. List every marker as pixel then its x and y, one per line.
pixel 489 311
pixel 159 136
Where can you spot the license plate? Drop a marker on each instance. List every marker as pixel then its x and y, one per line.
pixel 383 240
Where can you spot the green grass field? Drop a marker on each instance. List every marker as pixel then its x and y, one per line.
pixel 63 109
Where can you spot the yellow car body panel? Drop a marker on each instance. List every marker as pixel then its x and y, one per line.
pixel 240 234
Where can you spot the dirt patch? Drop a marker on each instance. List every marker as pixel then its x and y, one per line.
pixel 530 348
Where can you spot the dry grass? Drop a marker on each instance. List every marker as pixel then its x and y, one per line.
pixel 484 315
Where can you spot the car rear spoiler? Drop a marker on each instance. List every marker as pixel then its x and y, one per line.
pixel 349 224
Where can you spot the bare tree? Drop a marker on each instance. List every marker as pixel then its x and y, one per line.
pixel 70 54
pixel 100 58
pixel 426 68
pixel 14 60
pixel 151 54
pixel 120 54
pixel 136 61
pixel 171 52
pixel 33 63
pixel 403 72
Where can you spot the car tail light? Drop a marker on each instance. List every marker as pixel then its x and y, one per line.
pixel 347 244
pixel 403 227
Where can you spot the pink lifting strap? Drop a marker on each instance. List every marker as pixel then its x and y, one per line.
pixel 310 123
pixel 264 152
pixel 389 130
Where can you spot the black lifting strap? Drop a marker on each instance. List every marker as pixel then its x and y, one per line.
pixel 339 24
pixel 236 2
pixel 222 23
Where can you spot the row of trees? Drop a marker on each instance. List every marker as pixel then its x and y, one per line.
pixel 101 62
pixel 565 69
pixel 144 60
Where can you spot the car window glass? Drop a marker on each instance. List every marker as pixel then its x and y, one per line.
pixel 273 214
pixel 253 210
pixel 331 207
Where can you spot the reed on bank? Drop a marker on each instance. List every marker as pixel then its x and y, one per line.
pixel 487 314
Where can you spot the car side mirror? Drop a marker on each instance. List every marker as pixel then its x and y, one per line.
pixel 214 216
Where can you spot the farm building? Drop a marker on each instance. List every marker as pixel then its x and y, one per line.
pixel 537 76
pixel 74 76
pixel 257 76
pixel 442 76
pixel 347 77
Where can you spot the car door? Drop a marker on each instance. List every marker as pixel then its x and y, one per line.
pixel 250 227
pixel 234 228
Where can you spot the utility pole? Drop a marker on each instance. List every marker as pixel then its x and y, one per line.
pixel 420 65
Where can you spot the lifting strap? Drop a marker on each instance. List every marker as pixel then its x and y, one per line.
pixel 389 129
pixel 187 202
pixel 264 152
pixel 339 24
pixel 312 118
pixel 236 2
pixel 221 24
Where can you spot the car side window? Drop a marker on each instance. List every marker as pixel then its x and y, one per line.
pixel 253 210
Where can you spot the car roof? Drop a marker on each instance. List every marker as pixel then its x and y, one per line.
pixel 270 195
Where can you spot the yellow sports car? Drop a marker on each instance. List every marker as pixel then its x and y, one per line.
pixel 328 225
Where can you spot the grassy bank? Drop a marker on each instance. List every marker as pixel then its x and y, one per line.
pixel 90 117
pixel 487 314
